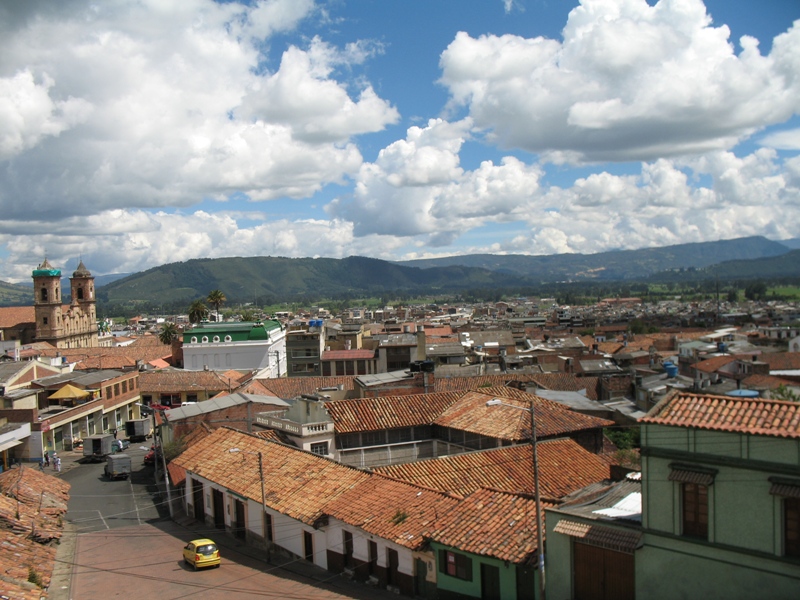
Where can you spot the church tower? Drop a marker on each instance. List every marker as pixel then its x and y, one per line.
pixel 73 326
pixel 47 302
pixel 82 287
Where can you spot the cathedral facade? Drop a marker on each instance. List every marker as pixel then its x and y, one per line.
pixel 65 326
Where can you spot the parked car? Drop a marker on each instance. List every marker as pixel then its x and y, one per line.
pixel 201 553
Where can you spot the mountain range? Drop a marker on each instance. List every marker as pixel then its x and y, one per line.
pixel 274 279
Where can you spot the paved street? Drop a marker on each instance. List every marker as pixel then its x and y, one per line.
pixel 121 543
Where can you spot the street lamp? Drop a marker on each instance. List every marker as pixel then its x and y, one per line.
pixel 263 495
pixel 539 536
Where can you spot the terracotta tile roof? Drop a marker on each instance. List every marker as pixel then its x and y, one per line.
pixel 567 382
pixel 127 355
pixel 32 505
pixel 782 361
pixel 270 435
pixel 721 413
pixel 769 382
pixel 297 483
pixel 613 538
pixel 713 364
pixel 471 414
pixel 492 523
pixel 564 466
pixel 12 316
pixel 360 354
pixel 388 412
pixel 610 347
pixel 178 380
pixel 178 474
pixel 463 384
pixel 256 387
pixel 444 331
pixel 290 387
pixel 393 510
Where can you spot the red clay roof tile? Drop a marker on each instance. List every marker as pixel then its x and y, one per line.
pixel 722 413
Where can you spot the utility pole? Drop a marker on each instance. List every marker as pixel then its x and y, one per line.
pixel 537 499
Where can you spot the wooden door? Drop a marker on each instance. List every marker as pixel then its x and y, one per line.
pixel 218 503
pixel 490 582
pixel 601 574
pixel 199 504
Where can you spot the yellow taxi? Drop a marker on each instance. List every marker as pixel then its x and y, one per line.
pixel 201 553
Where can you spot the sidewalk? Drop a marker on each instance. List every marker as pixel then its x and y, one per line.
pixel 277 561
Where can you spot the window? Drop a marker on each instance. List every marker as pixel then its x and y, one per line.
pixel 791 527
pixel 125 386
pixel 349 440
pixel 205 339
pixel 373 438
pixel 455 565
pixel 320 448
pixel 228 338
pixel 372 566
pixel 116 389
pixel 348 550
pixel 268 526
pixel 44 295
pixel 216 338
pixel 108 392
pixel 194 339
pixel 398 436
pixel 695 510
pixel 44 320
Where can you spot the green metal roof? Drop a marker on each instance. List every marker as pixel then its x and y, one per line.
pixel 47 272
pixel 238 332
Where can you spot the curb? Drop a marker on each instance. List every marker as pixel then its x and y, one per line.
pixel 61 580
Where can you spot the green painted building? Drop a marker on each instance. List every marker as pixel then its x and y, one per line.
pixel 230 345
pixel 721 499
pixel 720 509
pixel 486 548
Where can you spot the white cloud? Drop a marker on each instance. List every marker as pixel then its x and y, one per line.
pixel 119 119
pixel 788 139
pixel 166 86
pixel 28 114
pixel 629 81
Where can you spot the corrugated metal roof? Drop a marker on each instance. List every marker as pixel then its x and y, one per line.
pixel 220 403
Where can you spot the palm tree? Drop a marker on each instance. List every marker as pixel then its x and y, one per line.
pixel 197 311
pixel 216 298
pixel 169 331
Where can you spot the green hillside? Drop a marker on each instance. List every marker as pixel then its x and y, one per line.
pixel 289 279
pixel 243 279
pixel 15 295
pixel 615 265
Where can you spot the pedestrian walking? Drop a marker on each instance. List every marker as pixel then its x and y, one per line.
pixel 115 434
pixel 58 464
pixel 47 459
pixel 41 465
pixel 55 458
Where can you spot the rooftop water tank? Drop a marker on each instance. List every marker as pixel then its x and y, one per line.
pixel 743 393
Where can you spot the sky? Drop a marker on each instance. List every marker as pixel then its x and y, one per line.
pixel 139 133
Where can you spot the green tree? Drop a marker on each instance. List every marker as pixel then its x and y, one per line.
pixel 755 291
pixel 169 331
pixel 784 393
pixel 216 299
pixel 197 311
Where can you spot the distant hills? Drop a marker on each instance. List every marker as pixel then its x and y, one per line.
pixel 265 279
pixel 616 265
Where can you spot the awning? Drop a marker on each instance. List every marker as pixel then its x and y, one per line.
pixel 10 444
pixel 621 540
pixel 691 474
pixel 69 391
pixel 788 488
